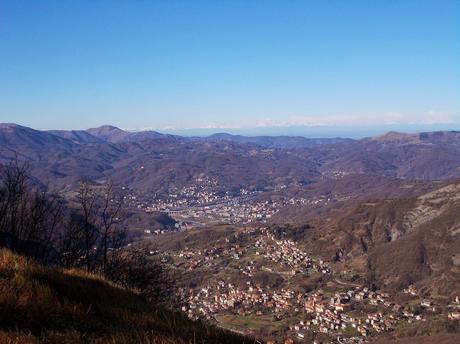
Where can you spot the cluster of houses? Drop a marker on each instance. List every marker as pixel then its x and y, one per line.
pixel 202 192
pixel 238 209
pixel 220 296
pixel 350 315
pixel 202 201
pixel 288 255
pixel 325 314
pixel 284 254
pixel 335 174
pixel 454 310
pixel 329 314
pixel 197 258
pixel 227 297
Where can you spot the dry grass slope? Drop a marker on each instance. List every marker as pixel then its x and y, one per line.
pixel 46 305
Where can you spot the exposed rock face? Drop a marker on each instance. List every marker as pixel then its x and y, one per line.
pixel 410 241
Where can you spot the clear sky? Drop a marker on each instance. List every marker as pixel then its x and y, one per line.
pixel 229 64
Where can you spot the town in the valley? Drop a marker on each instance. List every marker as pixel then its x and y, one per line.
pixel 252 281
pixel 202 203
pixel 337 309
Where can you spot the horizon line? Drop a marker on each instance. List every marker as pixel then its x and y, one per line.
pixel 307 131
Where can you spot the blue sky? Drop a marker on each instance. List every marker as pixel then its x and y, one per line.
pixel 173 65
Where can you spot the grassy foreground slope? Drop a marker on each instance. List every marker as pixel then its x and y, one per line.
pixel 46 305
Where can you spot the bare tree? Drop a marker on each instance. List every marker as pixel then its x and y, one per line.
pixel 112 238
pixel 13 193
pixel 148 274
pixel 71 244
pixel 96 226
pixel 29 218
pixel 89 202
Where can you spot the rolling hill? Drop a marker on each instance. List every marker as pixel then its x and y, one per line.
pixel 152 162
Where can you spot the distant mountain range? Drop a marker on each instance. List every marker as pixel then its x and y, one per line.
pixel 150 161
pixel 271 142
pixel 108 133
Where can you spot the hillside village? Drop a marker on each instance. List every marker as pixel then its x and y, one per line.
pixel 343 311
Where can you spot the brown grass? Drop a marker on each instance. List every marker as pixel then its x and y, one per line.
pixel 46 305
